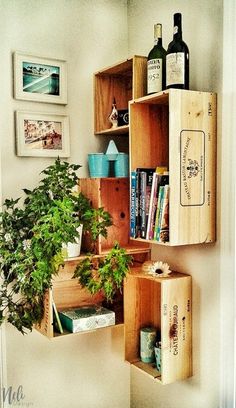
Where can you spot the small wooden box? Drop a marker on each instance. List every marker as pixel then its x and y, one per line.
pixel 123 81
pixel 164 303
pixel 177 129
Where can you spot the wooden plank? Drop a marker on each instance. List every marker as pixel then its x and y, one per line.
pixel 120 130
pixel 148 135
pixel 141 309
pixel 192 170
pixel 46 325
pixel 69 294
pixel 176 330
pixel 148 368
pixel 160 98
pixel 113 195
pixel 118 68
pixel 139 85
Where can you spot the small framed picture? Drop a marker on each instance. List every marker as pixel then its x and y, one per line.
pixel 40 79
pixel 42 135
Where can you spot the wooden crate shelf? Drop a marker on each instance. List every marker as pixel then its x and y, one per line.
pixel 169 129
pixel 164 303
pixel 123 81
pixel 67 293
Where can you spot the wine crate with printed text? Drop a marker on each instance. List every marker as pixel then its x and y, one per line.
pixel 177 129
pixel 169 312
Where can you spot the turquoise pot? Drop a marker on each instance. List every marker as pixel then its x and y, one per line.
pixel 98 165
pixel 121 166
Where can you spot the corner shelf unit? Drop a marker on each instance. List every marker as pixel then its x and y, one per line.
pixel 123 81
pixel 169 312
pixel 177 128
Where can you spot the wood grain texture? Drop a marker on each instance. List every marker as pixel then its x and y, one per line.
pixel 46 325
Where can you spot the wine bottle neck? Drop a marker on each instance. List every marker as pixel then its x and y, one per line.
pixel 177 33
pixel 158 41
pixel 157 34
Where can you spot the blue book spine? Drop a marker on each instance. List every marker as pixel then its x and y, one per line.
pixel 133 205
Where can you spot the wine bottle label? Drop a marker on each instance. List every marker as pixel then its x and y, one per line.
pixel 154 67
pixel 175 30
pixel 175 68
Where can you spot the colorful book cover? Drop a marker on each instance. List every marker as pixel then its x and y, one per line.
pixel 146 176
pixel 143 183
pixel 157 177
pixel 133 205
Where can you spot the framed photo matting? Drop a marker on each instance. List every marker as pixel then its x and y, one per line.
pixel 42 135
pixel 40 79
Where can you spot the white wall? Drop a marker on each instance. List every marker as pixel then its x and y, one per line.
pixel 84 371
pixel 202 31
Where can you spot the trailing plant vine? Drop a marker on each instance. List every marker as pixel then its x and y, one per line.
pixel 104 274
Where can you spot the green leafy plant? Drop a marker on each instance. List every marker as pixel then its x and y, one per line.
pixel 32 233
pixel 104 274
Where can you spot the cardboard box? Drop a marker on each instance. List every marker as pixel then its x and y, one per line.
pixel 86 318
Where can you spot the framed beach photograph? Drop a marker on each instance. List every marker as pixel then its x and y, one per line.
pixel 42 135
pixel 40 79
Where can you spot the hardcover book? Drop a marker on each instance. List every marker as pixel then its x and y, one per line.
pixel 86 318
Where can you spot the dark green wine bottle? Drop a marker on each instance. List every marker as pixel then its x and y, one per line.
pixel 177 58
pixel 156 63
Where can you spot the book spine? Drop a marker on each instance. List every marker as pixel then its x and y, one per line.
pixel 133 205
pixel 158 212
pixel 58 321
pixel 164 223
pixel 152 207
pixel 143 182
pixel 137 207
pixel 148 196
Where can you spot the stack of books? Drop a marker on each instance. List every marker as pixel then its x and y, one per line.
pixel 149 207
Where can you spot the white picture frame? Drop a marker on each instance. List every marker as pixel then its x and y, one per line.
pixel 40 79
pixel 42 134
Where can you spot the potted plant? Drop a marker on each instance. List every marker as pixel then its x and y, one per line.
pixel 32 234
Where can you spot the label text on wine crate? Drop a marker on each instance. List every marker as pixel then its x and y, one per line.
pixel 192 168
